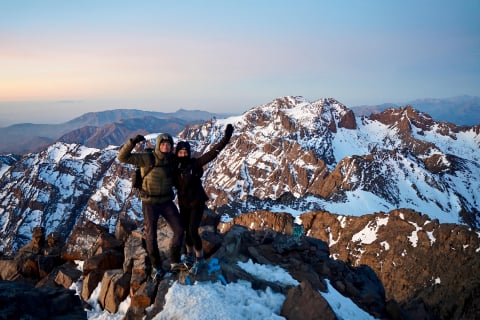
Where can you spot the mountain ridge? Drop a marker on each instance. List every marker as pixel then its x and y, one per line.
pixel 398 173
pixel 36 137
pixel 315 157
pixel 460 110
pixel 286 156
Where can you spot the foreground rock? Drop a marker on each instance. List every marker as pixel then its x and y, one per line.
pixel 384 274
pixel 23 301
pixel 430 269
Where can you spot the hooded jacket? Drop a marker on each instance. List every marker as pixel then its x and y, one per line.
pixel 157 184
pixel 189 171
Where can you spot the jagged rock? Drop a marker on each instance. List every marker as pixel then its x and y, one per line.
pixel 9 269
pixel 35 260
pixel 36 245
pixel 280 222
pixel 136 261
pixel 69 271
pixel 144 296
pixel 124 229
pixel 46 264
pixel 211 241
pixel 115 288
pixel 107 242
pixel 137 313
pixel 304 302
pixel 108 259
pixel 159 302
pixel 277 241
pixel 425 266
pixel 134 250
pixel 23 301
pixel 303 258
pixel 90 283
pixel 210 221
pixel 68 276
pixel 348 121
pixel 82 243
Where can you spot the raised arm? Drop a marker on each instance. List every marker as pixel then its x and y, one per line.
pixel 125 154
pixel 215 150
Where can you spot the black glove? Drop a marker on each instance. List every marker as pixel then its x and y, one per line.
pixel 228 132
pixel 138 138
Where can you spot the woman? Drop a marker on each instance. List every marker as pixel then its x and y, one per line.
pixel 191 195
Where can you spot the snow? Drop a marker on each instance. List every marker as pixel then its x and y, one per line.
pixel 236 300
pixel 442 196
pixel 369 234
pixel 268 272
pixel 344 308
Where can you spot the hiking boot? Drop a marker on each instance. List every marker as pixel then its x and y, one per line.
pixel 189 260
pixel 157 274
pixel 197 266
pixel 178 266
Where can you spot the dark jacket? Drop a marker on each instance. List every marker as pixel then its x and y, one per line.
pixel 188 174
pixel 157 185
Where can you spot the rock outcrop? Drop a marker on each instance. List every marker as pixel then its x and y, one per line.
pixel 396 266
pixel 428 268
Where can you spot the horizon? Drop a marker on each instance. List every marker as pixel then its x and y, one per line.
pixel 4 123
pixel 64 59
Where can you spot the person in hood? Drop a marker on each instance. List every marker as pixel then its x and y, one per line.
pixel 157 197
pixel 191 194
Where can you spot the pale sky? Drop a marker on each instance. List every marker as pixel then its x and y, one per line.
pixel 60 59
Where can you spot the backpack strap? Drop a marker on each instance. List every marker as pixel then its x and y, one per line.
pixel 152 157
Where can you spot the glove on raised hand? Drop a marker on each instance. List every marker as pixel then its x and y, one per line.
pixel 228 132
pixel 138 138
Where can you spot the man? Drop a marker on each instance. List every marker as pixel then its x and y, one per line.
pixel 157 197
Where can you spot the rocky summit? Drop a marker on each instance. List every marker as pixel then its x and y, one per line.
pixel 384 208
pixel 368 259
pixel 296 156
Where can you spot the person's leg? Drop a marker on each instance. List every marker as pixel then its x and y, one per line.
pixel 150 220
pixel 185 214
pixel 195 220
pixel 196 215
pixel 172 216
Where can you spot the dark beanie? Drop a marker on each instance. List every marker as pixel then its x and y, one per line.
pixel 183 145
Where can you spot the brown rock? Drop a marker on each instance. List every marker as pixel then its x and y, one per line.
pixel 9 269
pixel 305 303
pixel 144 296
pixel 67 276
pixel 90 283
pixel 115 288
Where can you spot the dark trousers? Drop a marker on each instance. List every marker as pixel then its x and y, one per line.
pixel 191 218
pixel 151 214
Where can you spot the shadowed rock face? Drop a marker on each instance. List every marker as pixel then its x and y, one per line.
pixel 417 259
pixel 23 301
pixel 426 267
pixel 393 265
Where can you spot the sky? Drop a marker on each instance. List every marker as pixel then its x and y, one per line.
pixel 60 59
pixel 236 300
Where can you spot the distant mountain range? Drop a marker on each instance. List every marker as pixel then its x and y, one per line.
pixel 289 155
pixel 113 127
pixel 98 129
pixel 461 110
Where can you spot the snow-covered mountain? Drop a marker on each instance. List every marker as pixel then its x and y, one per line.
pixel 294 156
pixel 460 110
pixel 289 155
